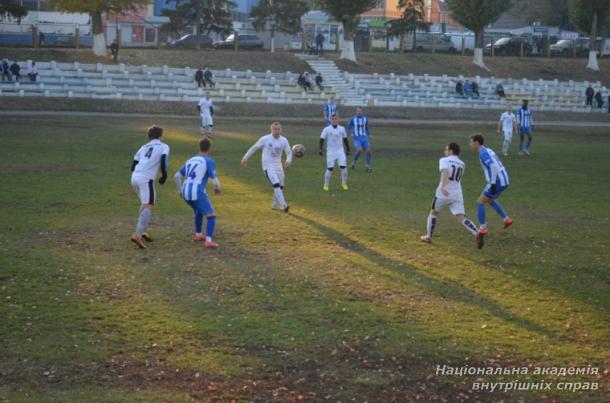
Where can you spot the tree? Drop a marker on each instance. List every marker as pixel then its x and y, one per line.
pixel 588 15
pixel 411 19
pixel 207 16
pixel 96 8
pixel 13 9
pixel 347 12
pixel 476 15
pixel 281 15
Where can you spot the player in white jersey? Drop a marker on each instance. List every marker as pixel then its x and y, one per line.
pixel 508 123
pixel 273 146
pixel 449 194
pixel 336 138
pixel 206 111
pixel 146 163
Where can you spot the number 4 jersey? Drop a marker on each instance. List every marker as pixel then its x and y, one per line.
pixel 455 168
pixel 149 159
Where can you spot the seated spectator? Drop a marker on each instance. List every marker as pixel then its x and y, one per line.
pixel 15 69
pixel 6 72
pixel 459 88
pixel 475 89
pixel 500 91
pixel 599 99
pixel 589 93
pixel 199 78
pixel 319 81
pixel 308 83
pixel 467 89
pixel 207 76
pixel 32 71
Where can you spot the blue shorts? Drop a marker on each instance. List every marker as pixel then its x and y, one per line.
pixel 496 194
pixel 525 130
pixel 361 142
pixel 201 205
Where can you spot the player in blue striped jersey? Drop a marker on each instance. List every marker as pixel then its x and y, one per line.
pixel 330 109
pixel 526 124
pixel 358 128
pixel 196 173
pixel 497 182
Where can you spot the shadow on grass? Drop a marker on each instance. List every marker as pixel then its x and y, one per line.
pixel 446 288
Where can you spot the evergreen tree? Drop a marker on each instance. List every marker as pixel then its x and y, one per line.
pixel 589 16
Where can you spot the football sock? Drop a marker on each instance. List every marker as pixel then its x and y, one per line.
pixel 343 174
pixel 505 146
pixel 470 227
pixel 279 196
pixel 143 221
pixel 527 147
pixel 198 222
pixel 356 156
pixel 327 175
pixel 369 158
pixel 431 225
pixel 209 228
pixel 481 215
pixel 521 144
pixel 496 206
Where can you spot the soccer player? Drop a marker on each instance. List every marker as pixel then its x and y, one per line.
pixel 330 109
pixel 497 182
pixel 146 163
pixel 508 122
pixel 335 153
pixel 358 128
pixel 449 193
pixel 273 146
pixel 526 124
pixel 197 171
pixel 206 111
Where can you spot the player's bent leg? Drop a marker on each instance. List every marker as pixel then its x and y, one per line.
pixel 481 213
pixel 343 169
pixel 430 226
pixel 209 231
pixel 279 195
pixel 327 175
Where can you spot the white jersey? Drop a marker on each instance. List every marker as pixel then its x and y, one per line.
pixel 455 168
pixel 508 120
pixel 149 159
pixel 334 139
pixel 272 151
pixel 206 106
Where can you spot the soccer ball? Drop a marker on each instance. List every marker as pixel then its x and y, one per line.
pixel 298 150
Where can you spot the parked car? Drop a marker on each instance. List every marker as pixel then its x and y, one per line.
pixel 443 43
pixel 244 42
pixel 188 41
pixel 509 46
pixel 563 47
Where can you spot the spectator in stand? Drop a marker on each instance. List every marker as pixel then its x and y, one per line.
pixel 15 69
pixel 32 71
pixel 301 81
pixel 589 92
pixel 599 99
pixel 114 50
pixel 459 88
pixel 6 71
pixel 475 89
pixel 308 83
pixel 320 43
pixel 320 81
pixel 207 76
pixel 199 78
pixel 468 89
pixel 500 91
pixel 41 39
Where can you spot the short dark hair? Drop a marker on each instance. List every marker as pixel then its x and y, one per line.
pixel 154 132
pixel 205 145
pixel 525 101
pixel 478 138
pixel 454 147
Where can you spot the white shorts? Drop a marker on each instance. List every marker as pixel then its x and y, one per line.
pixel 508 136
pixel 336 157
pixel 274 175
pixel 206 120
pixel 455 206
pixel 145 189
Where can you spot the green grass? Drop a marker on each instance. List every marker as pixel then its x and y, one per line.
pixel 336 300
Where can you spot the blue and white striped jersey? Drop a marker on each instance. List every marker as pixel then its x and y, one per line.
pixel 524 117
pixel 358 126
pixel 196 172
pixel 330 108
pixel 494 171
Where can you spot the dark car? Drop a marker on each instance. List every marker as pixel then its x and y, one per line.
pixel 244 42
pixel 188 41
pixel 509 46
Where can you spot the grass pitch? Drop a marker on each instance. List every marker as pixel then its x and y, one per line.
pixel 337 300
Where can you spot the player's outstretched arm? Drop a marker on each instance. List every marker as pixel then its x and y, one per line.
pixel 178 182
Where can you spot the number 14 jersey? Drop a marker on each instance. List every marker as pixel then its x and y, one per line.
pixel 455 168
